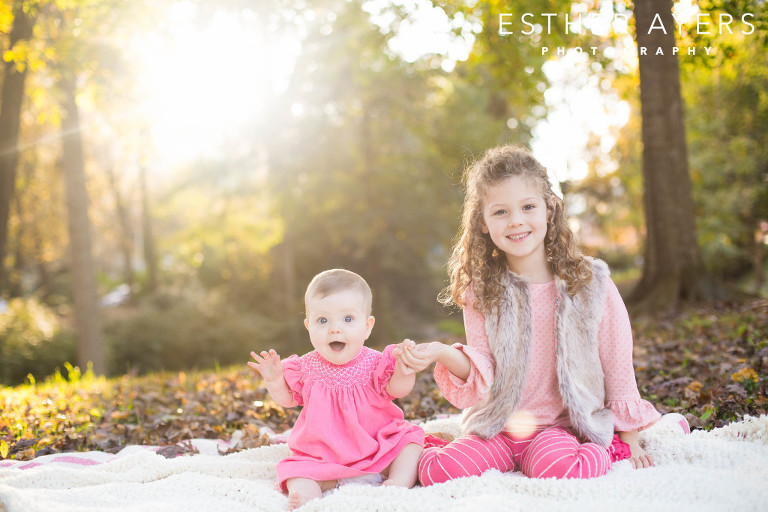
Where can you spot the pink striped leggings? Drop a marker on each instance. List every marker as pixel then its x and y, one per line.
pixel 553 452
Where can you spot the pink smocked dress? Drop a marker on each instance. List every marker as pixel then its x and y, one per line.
pixel 349 426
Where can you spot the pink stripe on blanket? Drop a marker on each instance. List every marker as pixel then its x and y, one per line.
pixel 86 459
pixel 44 461
pixel 76 460
pixel 30 465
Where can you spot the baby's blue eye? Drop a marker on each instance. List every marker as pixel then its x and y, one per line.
pixel 500 212
pixel 529 207
pixel 348 318
pixel 322 320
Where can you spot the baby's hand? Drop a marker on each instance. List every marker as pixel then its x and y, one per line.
pixel 267 364
pixel 401 349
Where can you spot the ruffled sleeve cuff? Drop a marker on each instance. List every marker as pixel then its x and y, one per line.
pixel 466 393
pixel 631 415
pixel 293 373
pixel 383 371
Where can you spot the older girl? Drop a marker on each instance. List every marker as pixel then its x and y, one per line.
pixel 546 373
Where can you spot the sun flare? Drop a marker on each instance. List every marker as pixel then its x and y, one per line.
pixel 202 83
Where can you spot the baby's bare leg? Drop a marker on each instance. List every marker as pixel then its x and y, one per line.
pixel 301 490
pixel 403 471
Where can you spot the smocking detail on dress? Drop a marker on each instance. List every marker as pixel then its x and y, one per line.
pixel 354 373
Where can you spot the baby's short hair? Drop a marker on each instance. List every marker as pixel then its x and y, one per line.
pixel 338 280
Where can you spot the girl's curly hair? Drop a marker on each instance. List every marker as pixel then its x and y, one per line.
pixel 476 261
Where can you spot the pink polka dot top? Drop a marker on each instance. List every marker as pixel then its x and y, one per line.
pixel 541 396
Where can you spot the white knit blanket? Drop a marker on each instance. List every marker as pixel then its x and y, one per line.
pixel 722 470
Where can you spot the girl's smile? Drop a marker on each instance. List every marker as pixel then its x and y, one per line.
pixel 517 238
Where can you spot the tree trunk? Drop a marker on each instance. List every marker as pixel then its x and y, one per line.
pixel 757 254
pixel 90 346
pixel 372 252
pixel 125 239
pixel 673 269
pixel 148 240
pixel 288 285
pixel 45 281
pixel 11 98
pixel 14 278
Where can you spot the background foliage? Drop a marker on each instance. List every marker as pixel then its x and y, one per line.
pixel 353 160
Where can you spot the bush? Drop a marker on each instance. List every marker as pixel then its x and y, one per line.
pixel 32 341
pixel 161 333
pixel 173 333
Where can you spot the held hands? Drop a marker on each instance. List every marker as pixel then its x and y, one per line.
pixel 398 351
pixel 268 365
pixel 413 358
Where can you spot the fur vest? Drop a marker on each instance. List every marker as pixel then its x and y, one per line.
pixel 579 371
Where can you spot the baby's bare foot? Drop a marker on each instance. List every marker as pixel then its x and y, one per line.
pixel 301 490
pixel 295 500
